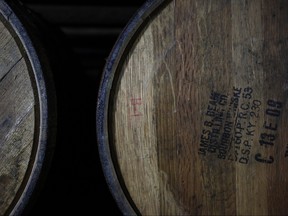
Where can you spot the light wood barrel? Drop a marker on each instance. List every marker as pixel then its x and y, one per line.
pixel 192 109
pixel 26 124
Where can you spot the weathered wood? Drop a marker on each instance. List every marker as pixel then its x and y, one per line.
pixel 192 109
pixel 24 120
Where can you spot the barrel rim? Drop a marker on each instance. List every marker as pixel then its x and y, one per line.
pixel 43 104
pixel 125 40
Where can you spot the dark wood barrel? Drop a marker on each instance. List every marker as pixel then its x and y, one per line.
pixel 192 109
pixel 27 109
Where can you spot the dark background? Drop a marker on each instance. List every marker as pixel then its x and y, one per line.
pixel 84 34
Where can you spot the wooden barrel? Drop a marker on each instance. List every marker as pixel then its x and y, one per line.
pixel 26 110
pixel 192 108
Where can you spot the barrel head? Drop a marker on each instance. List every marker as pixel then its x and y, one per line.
pixel 192 109
pixel 24 120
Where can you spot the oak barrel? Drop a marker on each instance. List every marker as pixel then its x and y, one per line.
pixel 192 109
pixel 27 117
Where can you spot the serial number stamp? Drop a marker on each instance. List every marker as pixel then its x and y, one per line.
pixel 230 125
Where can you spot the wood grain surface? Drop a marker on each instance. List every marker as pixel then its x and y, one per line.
pixel 196 117
pixel 24 122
